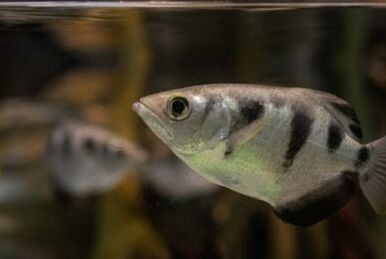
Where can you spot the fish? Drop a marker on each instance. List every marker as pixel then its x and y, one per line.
pixel 89 159
pixel 297 149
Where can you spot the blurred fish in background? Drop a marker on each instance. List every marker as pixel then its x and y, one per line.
pixel 82 158
pixel 87 159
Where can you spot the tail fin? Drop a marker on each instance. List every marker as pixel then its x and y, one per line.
pixel 373 179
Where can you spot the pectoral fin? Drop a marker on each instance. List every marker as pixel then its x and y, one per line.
pixel 243 135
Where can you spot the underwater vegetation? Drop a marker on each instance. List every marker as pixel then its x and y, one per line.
pixel 84 177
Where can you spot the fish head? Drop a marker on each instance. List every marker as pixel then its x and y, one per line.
pixel 188 120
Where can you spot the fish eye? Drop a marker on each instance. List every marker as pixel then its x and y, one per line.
pixel 178 108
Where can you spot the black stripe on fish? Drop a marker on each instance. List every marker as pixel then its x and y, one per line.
pixel 335 137
pixel 300 130
pixel 356 130
pixel 119 153
pixel 320 203
pixel 363 156
pixel 89 145
pixel 347 110
pixel 250 110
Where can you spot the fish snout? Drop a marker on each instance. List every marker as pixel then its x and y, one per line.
pixel 137 106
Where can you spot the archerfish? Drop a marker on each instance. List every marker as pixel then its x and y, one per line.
pixel 297 149
pixel 88 159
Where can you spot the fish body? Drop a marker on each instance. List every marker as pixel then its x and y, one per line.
pixel 297 149
pixel 88 159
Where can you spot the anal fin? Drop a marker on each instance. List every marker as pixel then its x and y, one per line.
pixel 320 203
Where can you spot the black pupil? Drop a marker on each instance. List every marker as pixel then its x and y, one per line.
pixel 178 106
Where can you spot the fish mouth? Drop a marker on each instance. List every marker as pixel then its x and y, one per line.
pixel 152 120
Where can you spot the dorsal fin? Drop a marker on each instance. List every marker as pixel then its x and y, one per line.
pixel 345 115
pixel 342 112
